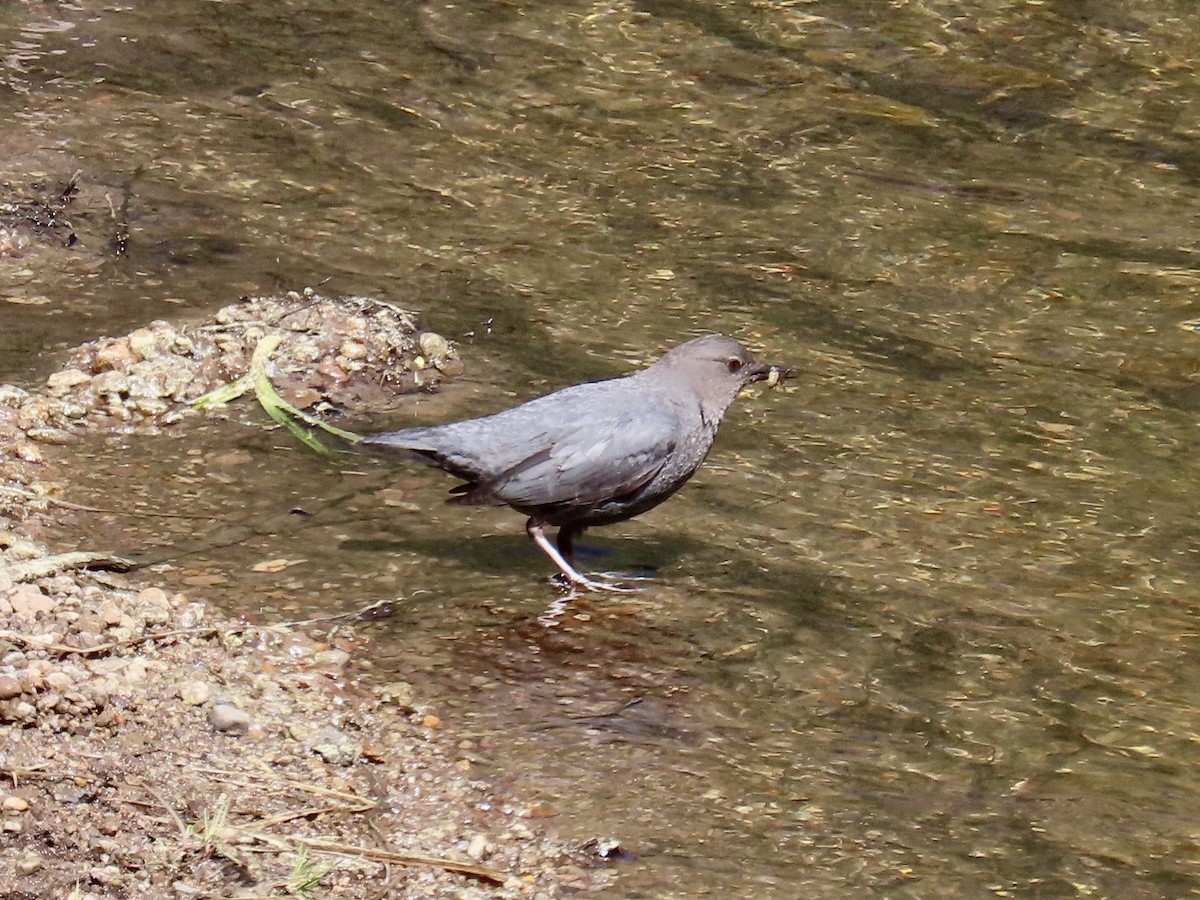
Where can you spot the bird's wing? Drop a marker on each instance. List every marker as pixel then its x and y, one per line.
pixel 589 461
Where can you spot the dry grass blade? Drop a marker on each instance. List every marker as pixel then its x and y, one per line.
pixel 275 406
pixel 404 859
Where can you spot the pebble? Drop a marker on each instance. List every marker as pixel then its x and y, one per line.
pixel 49 435
pixel 14 804
pixel 59 681
pixel 11 395
pixel 111 382
pixel 400 693
pixel 479 848
pixel 28 863
pixel 135 672
pixel 195 693
pixel 229 719
pixel 27 601
pixel 29 452
pixel 114 355
pixel 154 595
pixel 110 612
pixel 151 614
pixel 301 731
pixel 191 615
pixel 9 687
pixel 353 350
pixel 433 346
pixel 144 343
pixel 334 658
pixel 35 413
pixel 61 382
pixel 335 747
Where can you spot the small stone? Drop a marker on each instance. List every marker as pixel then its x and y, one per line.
pixel 329 369
pixel 61 382
pixel 13 826
pixel 151 407
pixel 44 434
pixel 228 719
pixel 334 658
pixel 144 343
pixel 301 731
pixel 12 396
pixel 153 595
pixel 28 600
pixel 400 693
pixel 36 413
pixel 301 397
pixel 153 606
pixel 59 681
pixel 111 382
pixel 335 747
pixel 9 687
pixel 195 693
pixel 114 355
pixel 109 876
pixel 110 612
pixel 435 347
pixel 28 863
pixel 29 452
pixel 605 848
pixel 191 615
pixel 353 350
pixel 14 804
pixel 479 848
pixel 135 672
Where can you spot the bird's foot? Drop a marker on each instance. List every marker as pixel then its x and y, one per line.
pixel 622 577
pixel 608 583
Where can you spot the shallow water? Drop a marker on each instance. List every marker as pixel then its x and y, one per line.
pixel 926 623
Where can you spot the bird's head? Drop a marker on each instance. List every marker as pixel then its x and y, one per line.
pixel 718 367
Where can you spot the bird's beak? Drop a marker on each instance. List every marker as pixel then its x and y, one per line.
pixel 771 373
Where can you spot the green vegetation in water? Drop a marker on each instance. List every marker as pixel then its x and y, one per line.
pixel 257 380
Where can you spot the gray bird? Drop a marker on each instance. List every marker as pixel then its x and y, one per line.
pixel 594 453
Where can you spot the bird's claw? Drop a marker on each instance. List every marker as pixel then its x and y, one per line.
pixel 611 584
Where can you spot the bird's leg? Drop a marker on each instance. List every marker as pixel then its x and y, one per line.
pixel 566 546
pixel 534 528
pixel 566 543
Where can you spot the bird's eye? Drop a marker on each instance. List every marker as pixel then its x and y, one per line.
pixel 733 364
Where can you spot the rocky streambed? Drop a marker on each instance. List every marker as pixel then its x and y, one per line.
pixel 151 746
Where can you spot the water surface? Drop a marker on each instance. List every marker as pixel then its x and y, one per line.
pixel 926 624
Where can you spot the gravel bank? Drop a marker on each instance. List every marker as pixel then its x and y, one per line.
pixel 152 747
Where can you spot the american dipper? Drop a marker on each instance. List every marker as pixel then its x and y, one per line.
pixel 594 453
